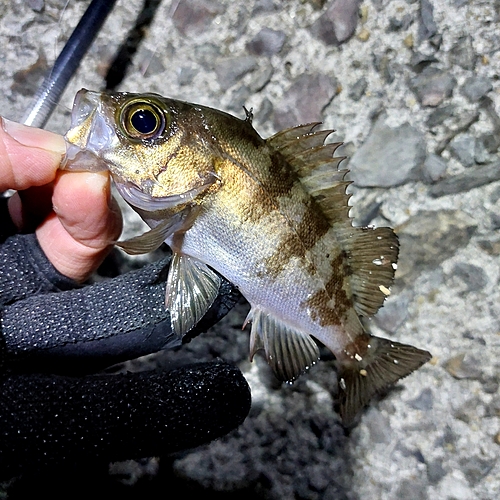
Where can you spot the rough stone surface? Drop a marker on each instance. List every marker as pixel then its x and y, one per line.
pixel 476 87
pixel 389 157
pixel 337 24
pixel 433 86
pixel 435 435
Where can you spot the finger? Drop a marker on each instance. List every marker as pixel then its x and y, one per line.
pixel 78 234
pixel 28 156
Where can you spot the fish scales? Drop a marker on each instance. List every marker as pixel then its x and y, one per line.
pixel 271 216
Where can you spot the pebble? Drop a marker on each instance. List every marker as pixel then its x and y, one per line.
pixel 261 78
pixel 266 42
pixel 358 89
pixel 433 86
pixel 481 153
pixel 305 100
pixel 389 156
pixel 464 366
pixel 393 314
pixel 462 147
pixel 434 168
pixel 193 16
pixel 476 469
pixel 440 114
pixel 467 180
pixel 473 277
pixel 462 53
pixel 36 5
pixel 427 27
pixel 338 23
pixel 231 69
pixel 424 401
pixel 435 471
pixel 476 87
pixel 430 237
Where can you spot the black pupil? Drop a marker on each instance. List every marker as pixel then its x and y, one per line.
pixel 144 121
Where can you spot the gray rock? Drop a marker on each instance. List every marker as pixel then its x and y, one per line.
pixel 389 157
pixel 207 54
pixel 261 78
pixel 473 277
pixel 267 42
pixel 265 111
pixel 402 24
pixel 186 75
pixel 481 153
pixel 439 115
pixel 383 64
pixel 338 23
pixel 424 401
pixel 475 469
pixel 462 53
pixel 429 238
pixel 420 61
pixel 393 314
pixel 435 471
pixel 434 168
pixel 36 5
pixel 415 488
pixel 193 16
pixel 462 147
pixel 239 98
pixel 378 426
pixel 230 70
pixel 433 86
pixel 26 81
pixel 490 384
pixel 470 179
pixel 476 87
pixel 358 89
pixel 427 27
pixel 305 100
pixel 464 366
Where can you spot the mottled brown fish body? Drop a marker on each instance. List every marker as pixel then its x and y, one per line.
pixel 269 215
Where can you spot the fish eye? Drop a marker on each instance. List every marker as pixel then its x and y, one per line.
pixel 142 120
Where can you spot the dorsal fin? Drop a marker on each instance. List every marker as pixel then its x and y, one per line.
pixel 371 253
pixel 314 164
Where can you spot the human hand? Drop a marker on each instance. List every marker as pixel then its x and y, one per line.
pixel 51 325
pixel 73 213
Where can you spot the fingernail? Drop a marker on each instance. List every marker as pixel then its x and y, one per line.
pixel 98 182
pixel 34 137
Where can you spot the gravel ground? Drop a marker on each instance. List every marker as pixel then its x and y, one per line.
pixel 412 89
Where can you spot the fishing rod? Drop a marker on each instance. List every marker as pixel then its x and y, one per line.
pixel 65 66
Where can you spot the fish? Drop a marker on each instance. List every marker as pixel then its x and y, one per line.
pixel 269 215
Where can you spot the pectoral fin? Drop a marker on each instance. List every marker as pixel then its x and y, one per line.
pixel 191 289
pixel 150 240
pixel 289 352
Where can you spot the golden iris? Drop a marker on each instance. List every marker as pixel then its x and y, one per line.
pixel 142 120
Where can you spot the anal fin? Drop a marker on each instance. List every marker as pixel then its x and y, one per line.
pixel 289 351
pixel 383 364
pixel 192 288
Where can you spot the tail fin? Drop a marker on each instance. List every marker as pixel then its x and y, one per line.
pixel 384 363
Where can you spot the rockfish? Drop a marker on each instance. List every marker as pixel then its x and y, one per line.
pixel 270 215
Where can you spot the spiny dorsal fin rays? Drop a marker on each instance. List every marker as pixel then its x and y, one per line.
pixel 289 134
pixel 150 240
pixel 304 143
pixel 289 352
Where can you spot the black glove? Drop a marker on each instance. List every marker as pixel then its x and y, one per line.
pixel 50 327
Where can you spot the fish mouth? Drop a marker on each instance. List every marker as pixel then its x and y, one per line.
pixel 91 132
pixel 91 122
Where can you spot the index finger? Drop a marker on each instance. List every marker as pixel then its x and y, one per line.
pixel 28 156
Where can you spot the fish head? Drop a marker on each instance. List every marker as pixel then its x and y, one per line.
pixel 151 145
